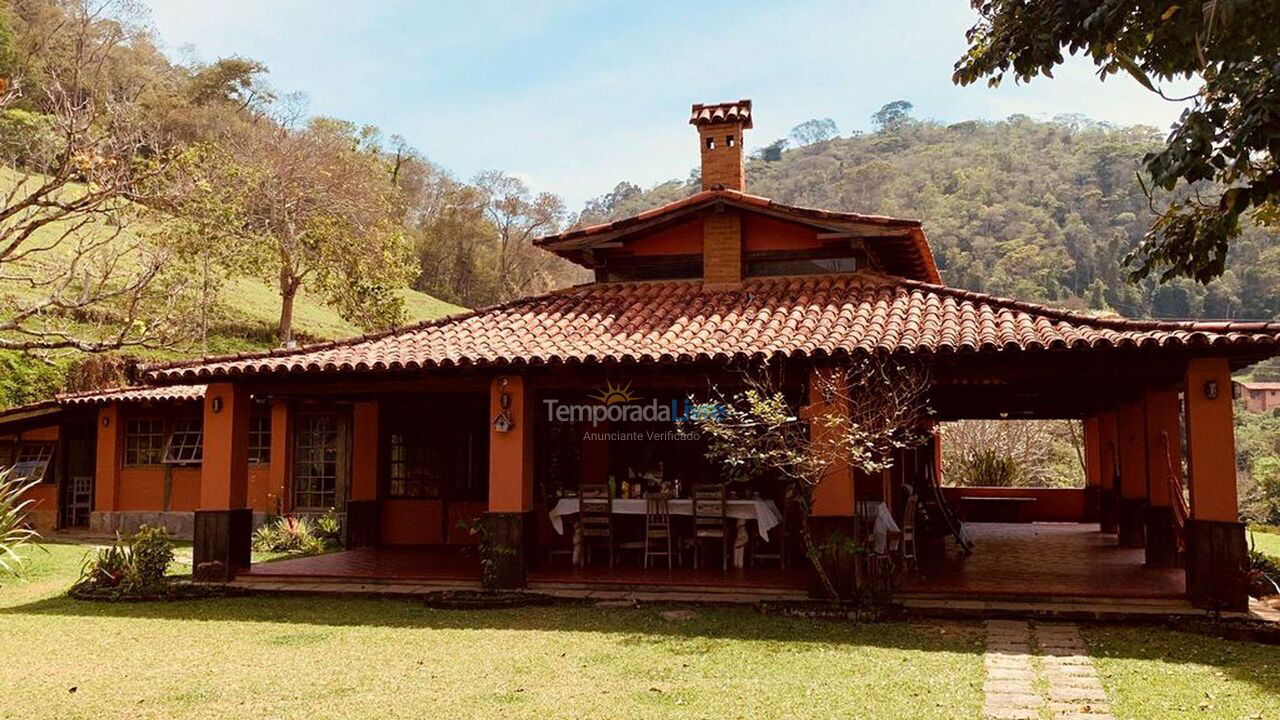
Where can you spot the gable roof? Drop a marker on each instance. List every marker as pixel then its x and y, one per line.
pixel 900 244
pixel 680 321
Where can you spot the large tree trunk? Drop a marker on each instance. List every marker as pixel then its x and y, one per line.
pixel 288 290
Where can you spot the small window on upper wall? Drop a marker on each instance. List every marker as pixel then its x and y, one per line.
pixel 186 442
pixel 728 141
pixel 711 143
pixel 32 463
pixel 143 441
pixel 260 439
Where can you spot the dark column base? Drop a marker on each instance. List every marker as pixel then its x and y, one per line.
pixel 1217 565
pixel 1132 516
pixel 221 543
pixel 838 565
pixel 1107 510
pixel 508 549
pixel 363 523
pixel 1092 497
pixel 1162 542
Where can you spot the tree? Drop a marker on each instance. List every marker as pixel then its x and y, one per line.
pixel 891 117
pixel 814 131
pixel 310 206
pixel 773 151
pixel 83 175
pixel 874 407
pixel 518 216
pixel 1230 134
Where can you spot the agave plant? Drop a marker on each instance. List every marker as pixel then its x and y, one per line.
pixel 15 534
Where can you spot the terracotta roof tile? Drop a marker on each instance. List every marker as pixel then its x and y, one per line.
pixel 681 321
pixel 168 393
pixel 717 113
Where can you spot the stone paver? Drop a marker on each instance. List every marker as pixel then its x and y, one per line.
pixel 1072 691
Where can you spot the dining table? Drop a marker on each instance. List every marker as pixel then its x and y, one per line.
pixel 763 512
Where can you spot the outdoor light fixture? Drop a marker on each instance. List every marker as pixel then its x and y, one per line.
pixel 216 404
pixel 1211 389
pixel 106 421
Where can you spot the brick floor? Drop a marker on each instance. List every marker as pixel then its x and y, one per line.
pixel 1047 559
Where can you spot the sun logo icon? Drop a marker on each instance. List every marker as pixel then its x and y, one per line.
pixel 613 394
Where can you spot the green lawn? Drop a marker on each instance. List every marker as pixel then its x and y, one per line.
pixel 1267 543
pixel 309 657
pixel 322 658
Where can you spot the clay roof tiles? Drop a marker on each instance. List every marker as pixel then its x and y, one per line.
pixel 649 322
pixel 168 393
pixel 717 113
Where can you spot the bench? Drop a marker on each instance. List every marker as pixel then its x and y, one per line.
pixel 983 508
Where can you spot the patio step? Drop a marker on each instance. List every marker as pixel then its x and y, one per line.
pixel 1045 607
pixel 387 587
pixel 666 592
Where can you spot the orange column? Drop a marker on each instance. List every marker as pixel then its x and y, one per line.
pixel 364 451
pixel 1211 445
pixel 834 495
pixel 224 521
pixel 1109 467
pixel 1131 427
pixel 1092 452
pixel 1217 559
pixel 106 491
pixel 1164 448
pixel 224 472
pixel 281 443
pixel 510 450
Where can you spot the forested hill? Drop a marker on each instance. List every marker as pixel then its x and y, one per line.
pixel 1043 211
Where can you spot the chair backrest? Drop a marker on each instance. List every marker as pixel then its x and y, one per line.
pixel 657 510
pixel 595 505
pixel 709 507
pixel 909 515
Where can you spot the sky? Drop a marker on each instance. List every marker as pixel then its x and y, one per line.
pixel 575 96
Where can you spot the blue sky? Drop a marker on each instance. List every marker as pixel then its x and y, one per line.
pixel 575 96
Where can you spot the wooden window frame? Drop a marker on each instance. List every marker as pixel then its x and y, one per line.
pixel 37 467
pixel 260 438
pixel 157 447
pixel 338 479
pixel 184 442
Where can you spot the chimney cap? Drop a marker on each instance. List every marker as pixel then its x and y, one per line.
pixel 720 113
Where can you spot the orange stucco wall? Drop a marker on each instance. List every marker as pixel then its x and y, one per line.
pixel 682 239
pixel 834 495
pixel 1051 504
pixel 1093 452
pixel 224 479
pixel 1211 447
pixel 511 453
pixel 1163 421
pixel 761 232
pixel 1131 428
pixel 411 522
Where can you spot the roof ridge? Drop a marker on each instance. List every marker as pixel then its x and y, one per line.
pixel 1118 322
pixel 147 369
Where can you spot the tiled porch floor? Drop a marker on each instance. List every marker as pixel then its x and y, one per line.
pixel 386 564
pixel 1047 559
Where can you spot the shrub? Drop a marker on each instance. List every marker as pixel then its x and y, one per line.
pixel 14 532
pixel 136 566
pixel 329 527
pixel 1264 574
pixel 289 534
pixel 988 468
pixel 152 554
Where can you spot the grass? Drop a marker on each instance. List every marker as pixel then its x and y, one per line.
pixel 313 657
pixel 1268 543
pixel 1151 673
pixel 328 658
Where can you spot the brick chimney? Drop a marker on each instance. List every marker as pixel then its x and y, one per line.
pixel 720 129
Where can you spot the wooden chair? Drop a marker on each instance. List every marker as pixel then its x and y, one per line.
pixel 710 515
pixel 775 549
pixel 657 528
pixel 595 514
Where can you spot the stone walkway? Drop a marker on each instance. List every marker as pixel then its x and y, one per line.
pixel 1059 682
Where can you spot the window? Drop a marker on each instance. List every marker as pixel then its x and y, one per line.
pixel 442 456
pixel 143 442
pixel 728 141
pixel 33 462
pixel 315 462
pixel 186 442
pixel 6 455
pixel 260 439
pixel 711 143
pixel 800 263
pixel 415 466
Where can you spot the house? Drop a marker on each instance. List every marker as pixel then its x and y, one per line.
pixel 499 414
pixel 1260 396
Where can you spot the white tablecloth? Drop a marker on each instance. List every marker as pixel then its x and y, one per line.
pixel 884 524
pixel 764 512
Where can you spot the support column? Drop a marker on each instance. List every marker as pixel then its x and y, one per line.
pixel 1217 558
pixel 1132 508
pixel 281 467
pixel 106 473
pixel 834 496
pixel 1110 468
pixel 1164 457
pixel 363 514
pixel 1092 469
pixel 510 528
pixel 224 521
